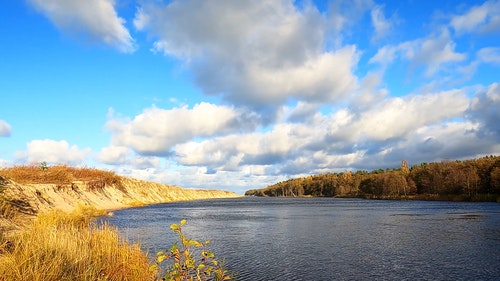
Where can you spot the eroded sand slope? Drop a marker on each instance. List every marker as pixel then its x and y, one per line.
pixel 41 197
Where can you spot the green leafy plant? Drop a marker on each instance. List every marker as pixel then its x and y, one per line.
pixel 183 263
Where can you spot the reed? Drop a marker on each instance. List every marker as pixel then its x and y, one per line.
pixel 62 246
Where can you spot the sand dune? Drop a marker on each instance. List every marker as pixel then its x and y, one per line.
pixel 34 198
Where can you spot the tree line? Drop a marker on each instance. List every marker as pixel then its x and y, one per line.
pixel 475 180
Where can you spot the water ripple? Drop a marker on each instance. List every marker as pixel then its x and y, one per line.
pixel 332 239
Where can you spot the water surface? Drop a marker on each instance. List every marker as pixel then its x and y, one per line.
pixel 331 239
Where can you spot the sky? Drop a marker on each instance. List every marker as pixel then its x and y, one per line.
pixel 238 95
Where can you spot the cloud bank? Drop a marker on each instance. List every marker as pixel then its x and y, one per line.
pixel 53 152
pixel 255 54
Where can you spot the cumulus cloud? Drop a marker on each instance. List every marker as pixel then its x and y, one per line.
pixel 417 128
pixel 114 155
pixel 253 53
pixel 51 151
pixel 5 129
pixel 124 156
pixel 484 111
pixel 302 112
pixel 155 130
pixel 231 153
pixel 95 19
pixel 340 140
pixel 398 116
pixel 435 142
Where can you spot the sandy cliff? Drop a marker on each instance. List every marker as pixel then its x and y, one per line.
pixel 33 198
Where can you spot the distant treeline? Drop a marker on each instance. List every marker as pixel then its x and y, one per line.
pixel 469 180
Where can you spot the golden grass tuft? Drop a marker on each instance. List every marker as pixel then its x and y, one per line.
pixel 61 175
pixel 62 246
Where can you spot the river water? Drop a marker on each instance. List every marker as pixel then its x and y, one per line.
pixel 331 239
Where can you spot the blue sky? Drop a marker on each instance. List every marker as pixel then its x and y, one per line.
pixel 242 94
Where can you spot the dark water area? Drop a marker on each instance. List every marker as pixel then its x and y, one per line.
pixel 331 239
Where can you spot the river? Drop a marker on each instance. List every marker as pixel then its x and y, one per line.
pixel 329 238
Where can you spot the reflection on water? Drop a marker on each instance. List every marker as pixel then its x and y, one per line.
pixel 332 239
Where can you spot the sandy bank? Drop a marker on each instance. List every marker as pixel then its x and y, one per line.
pixel 36 198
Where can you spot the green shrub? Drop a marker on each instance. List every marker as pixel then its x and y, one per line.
pixel 183 264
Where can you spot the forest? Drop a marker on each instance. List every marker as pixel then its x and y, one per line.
pixel 468 180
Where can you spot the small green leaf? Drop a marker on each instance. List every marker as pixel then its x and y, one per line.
pixel 174 227
pixel 154 267
pixel 183 222
pixel 159 259
pixel 195 243
pixel 174 248
pixel 207 254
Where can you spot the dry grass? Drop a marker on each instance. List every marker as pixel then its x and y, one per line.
pixel 61 175
pixel 61 246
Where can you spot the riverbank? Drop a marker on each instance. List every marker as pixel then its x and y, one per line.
pixel 26 191
pixel 46 231
pixel 66 246
pixel 35 198
pixel 437 197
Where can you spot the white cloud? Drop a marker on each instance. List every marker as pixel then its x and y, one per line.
pixel 489 55
pixel 142 162
pixel 470 20
pixel 156 130
pixel 369 92
pixel 435 51
pixel 484 18
pixel 95 19
pixel 124 156
pixel 484 110
pixel 302 112
pixel 427 144
pixel 380 23
pixel 325 142
pixel 432 53
pixel 397 117
pixel 51 151
pixel 418 128
pixel 114 155
pixel 345 13
pixel 253 53
pixel 233 152
pixel 5 129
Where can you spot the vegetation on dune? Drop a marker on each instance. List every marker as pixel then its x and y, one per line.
pixel 473 180
pixel 70 246
pixel 62 246
pixel 183 262
pixel 61 175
